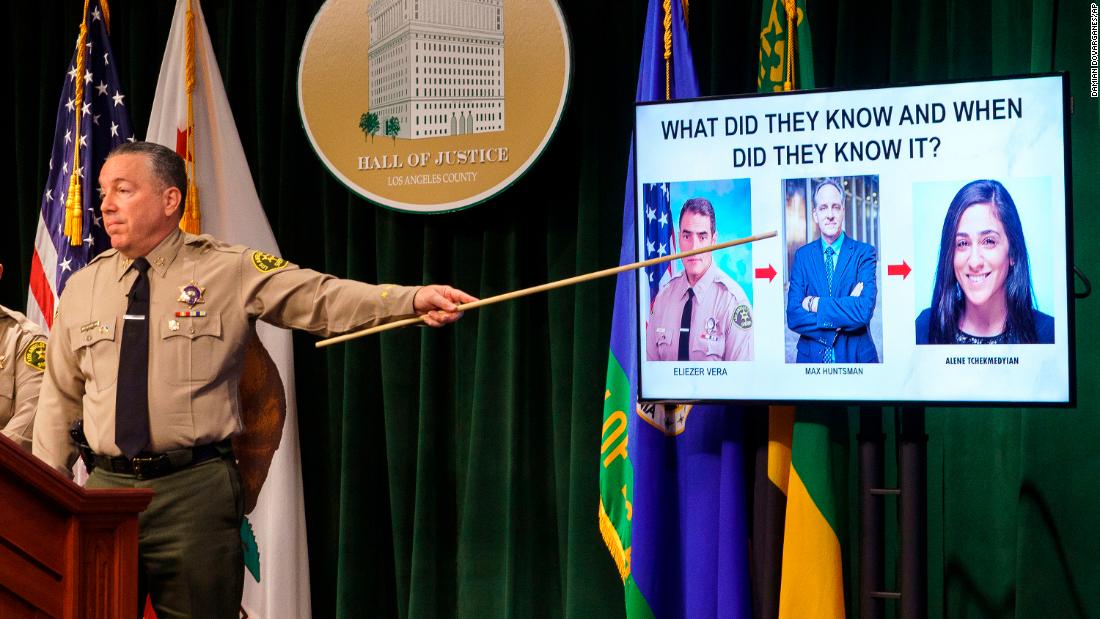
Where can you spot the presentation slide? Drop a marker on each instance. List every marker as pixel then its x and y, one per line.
pixel 921 254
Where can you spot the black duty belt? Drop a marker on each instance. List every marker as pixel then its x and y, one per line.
pixel 151 466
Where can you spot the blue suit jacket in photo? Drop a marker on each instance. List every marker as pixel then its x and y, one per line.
pixel 841 320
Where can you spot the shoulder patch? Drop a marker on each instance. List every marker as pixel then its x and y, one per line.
pixel 266 262
pixel 742 316
pixel 35 356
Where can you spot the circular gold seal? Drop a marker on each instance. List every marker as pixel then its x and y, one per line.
pixel 430 106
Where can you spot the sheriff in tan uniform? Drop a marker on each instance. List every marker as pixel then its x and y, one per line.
pixel 204 298
pixel 718 315
pixel 721 320
pixel 22 362
pixel 163 319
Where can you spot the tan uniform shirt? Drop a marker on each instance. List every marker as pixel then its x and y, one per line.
pixel 22 361
pixel 721 320
pixel 204 297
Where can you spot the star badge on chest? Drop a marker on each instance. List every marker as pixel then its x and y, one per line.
pixel 710 330
pixel 192 294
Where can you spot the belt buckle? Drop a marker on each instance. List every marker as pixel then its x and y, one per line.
pixel 148 467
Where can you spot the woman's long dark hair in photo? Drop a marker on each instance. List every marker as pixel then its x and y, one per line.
pixel 948 302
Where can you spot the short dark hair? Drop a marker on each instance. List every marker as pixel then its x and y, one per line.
pixel 699 206
pixel 948 302
pixel 167 165
pixel 827 182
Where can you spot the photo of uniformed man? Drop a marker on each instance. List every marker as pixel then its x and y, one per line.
pixel 701 313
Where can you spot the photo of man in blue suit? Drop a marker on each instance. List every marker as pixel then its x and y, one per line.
pixel 833 288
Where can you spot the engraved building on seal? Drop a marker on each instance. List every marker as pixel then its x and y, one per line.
pixel 437 66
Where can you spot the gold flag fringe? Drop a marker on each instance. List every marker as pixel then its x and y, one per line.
pixel 614 544
pixel 790 6
pixel 192 217
pixel 74 208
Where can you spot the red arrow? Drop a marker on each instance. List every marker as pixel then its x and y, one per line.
pixel 898 269
pixel 768 273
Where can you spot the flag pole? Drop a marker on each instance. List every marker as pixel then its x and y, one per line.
pixel 561 283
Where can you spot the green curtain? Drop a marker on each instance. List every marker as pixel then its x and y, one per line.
pixel 1011 493
pixel 454 472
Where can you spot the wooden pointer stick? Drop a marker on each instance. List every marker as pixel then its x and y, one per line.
pixel 561 283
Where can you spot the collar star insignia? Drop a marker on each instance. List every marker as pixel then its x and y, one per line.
pixel 192 294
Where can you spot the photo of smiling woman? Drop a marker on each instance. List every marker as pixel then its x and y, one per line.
pixel 983 292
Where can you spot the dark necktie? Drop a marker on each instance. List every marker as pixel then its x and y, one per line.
pixel 132 394
pixel 830 264
pixel 685 328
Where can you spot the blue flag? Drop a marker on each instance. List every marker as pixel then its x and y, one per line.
pixel 672 496
pixel 93 116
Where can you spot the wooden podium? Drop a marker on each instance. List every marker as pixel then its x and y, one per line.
pixel 64 551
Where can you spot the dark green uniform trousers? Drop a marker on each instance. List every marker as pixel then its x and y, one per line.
pixel 190 557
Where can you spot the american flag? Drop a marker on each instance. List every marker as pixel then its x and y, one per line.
pixel 104 123
pixel 659 238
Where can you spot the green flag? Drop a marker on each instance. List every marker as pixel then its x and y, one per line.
pixel 775 43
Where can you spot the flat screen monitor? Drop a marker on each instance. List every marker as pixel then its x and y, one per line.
pixel 921 255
